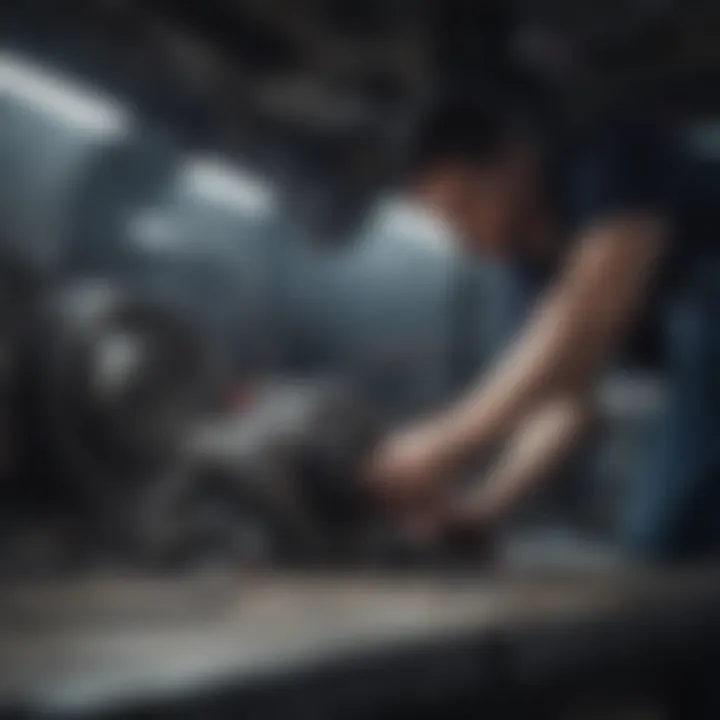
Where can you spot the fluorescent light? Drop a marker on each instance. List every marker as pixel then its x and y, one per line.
pixel 41 89
pixel 221 182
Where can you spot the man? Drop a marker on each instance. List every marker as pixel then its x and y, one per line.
pixel 622 213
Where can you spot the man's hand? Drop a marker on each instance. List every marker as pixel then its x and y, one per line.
pixel 572 333
pixel 412 468
pixel 452 533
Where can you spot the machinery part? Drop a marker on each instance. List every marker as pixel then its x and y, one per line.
pixel 294 456
pixel 74 159
pixel 110 386
pixel 245 519
pixel 207 245
pixel 289 469
pixel 20 286
pixel 343 431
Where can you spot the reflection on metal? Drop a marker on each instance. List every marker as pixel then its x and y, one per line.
pixel 225 184
pixel 154 231
pixel 703 139
pixel 33 85
pixel 118 357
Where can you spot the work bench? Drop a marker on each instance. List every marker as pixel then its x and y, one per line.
pixel 267 646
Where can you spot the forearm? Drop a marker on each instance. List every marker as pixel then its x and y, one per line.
pixel 571 335
pixel 541 445
pixel 538 368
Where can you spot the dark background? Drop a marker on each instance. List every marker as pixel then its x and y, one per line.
pixel 326 89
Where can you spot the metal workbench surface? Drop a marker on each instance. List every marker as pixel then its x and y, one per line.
pixel 94 645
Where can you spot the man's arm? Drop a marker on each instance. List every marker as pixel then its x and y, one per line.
pixel 538 448
pixel 620 199
pixel 574 329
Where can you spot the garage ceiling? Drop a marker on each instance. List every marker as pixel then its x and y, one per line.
pixel 333 83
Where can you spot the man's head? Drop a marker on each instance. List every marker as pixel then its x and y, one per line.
pixel 478 167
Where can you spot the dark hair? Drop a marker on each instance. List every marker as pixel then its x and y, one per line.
pixel 464 131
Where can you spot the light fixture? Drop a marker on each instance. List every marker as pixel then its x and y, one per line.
pixel 220 181
pixel 27 83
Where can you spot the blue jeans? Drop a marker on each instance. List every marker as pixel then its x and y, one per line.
pixel 674 511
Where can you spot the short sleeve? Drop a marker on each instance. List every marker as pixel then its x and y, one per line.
pixel 629 169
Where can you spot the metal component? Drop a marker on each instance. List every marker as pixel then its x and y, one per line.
pixel 351 646
pixel 20 286
pixel 293 457
pixel 109 387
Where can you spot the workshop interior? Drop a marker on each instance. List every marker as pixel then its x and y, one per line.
pixel 204 335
